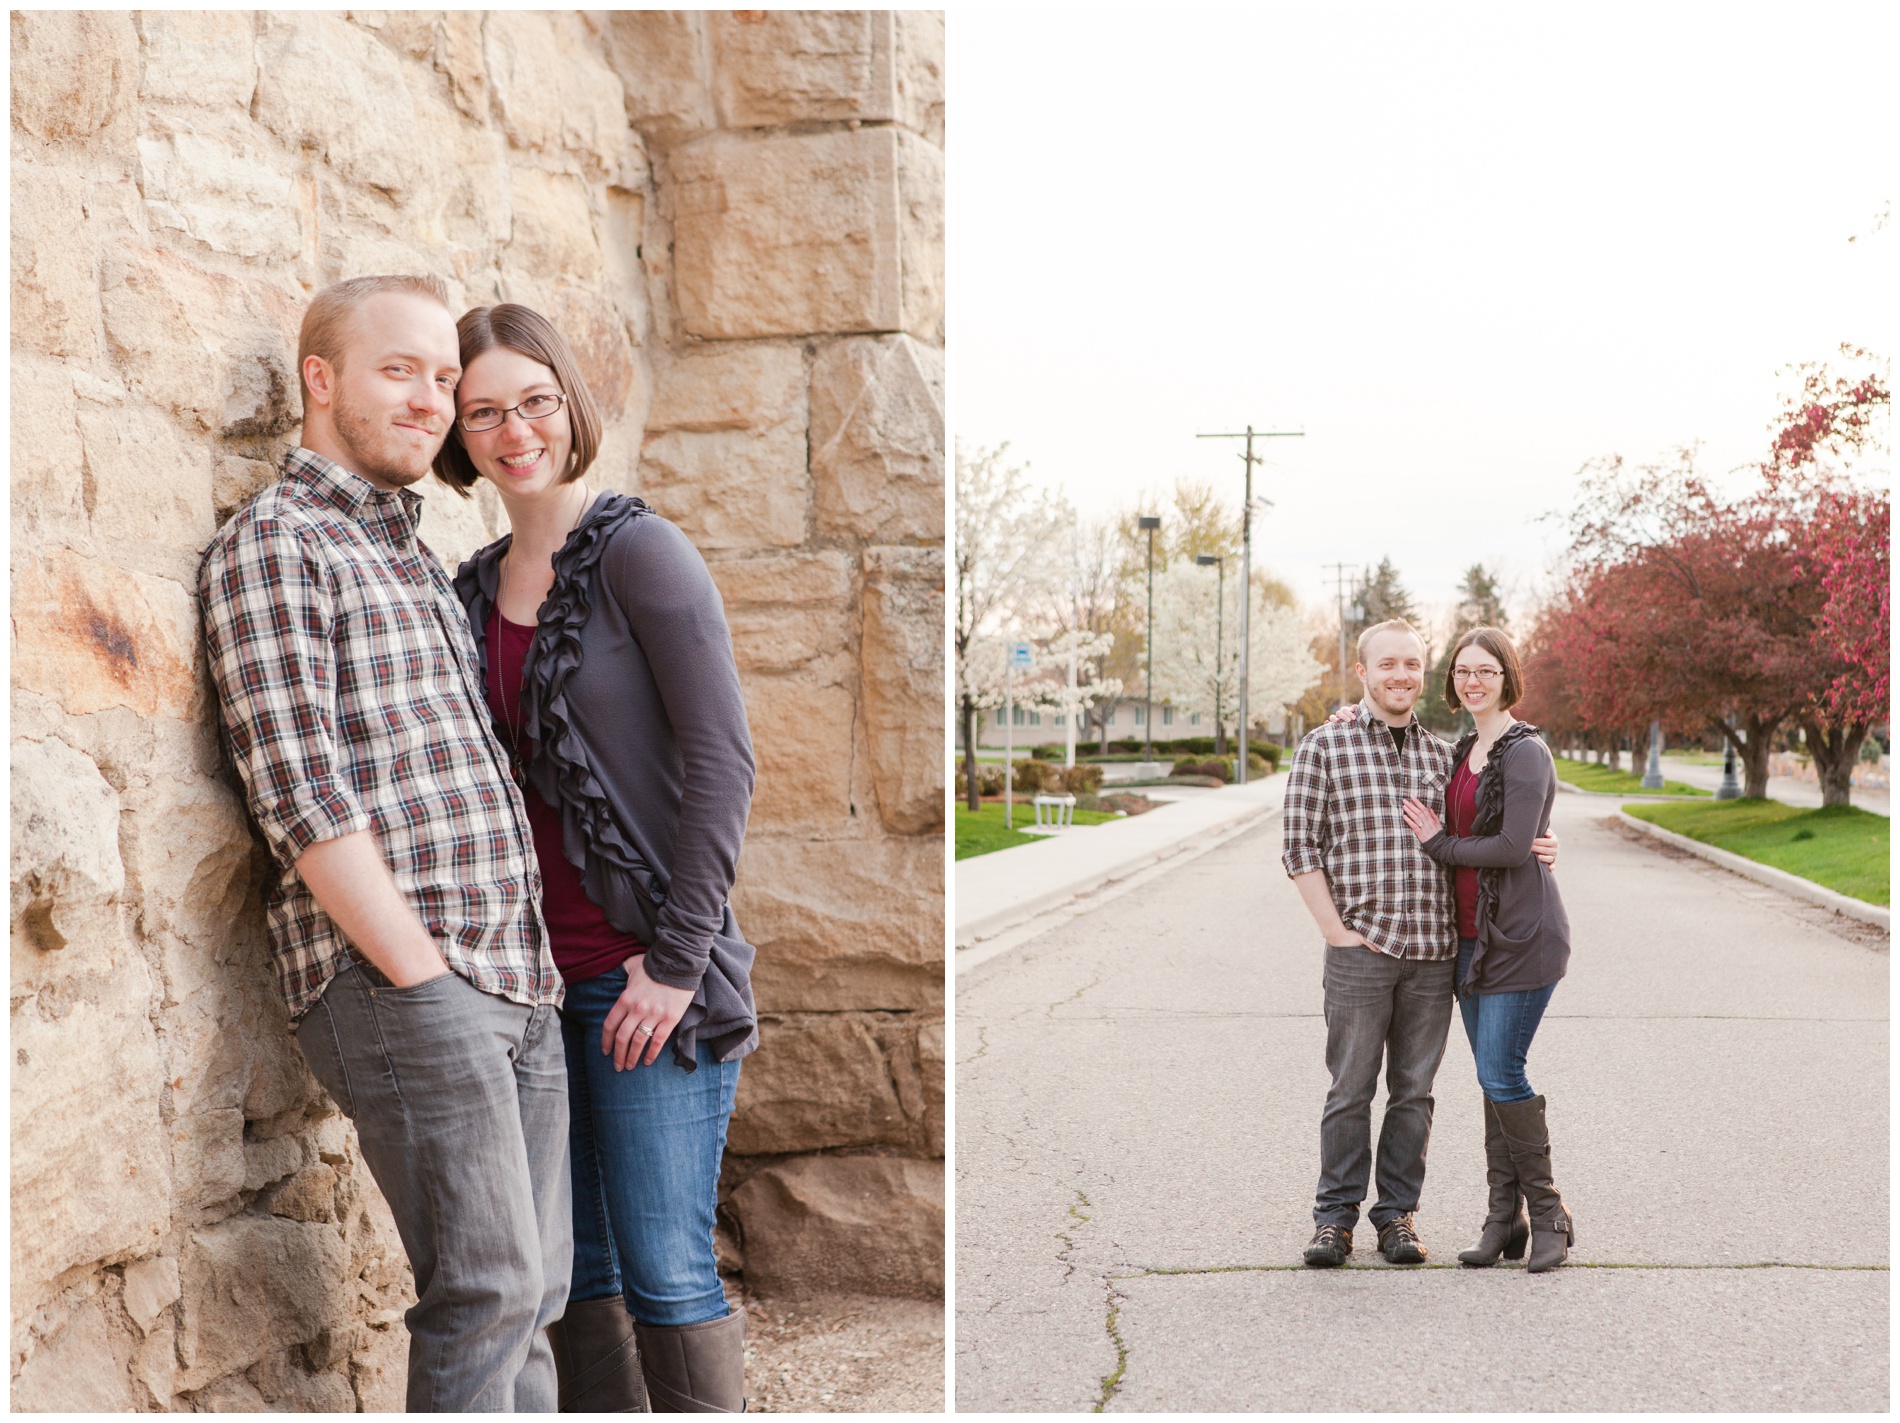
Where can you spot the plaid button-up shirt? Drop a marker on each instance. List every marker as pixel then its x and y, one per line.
pixel 1343 815
pixel 345 674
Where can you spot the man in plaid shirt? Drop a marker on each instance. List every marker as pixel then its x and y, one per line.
pixel 1386 912
pixel 405 925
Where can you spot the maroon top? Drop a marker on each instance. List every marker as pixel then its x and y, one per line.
pixel 1461 813
pixel 585 945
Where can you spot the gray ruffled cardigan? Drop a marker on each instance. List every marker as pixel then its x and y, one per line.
pixel 633 701
pixel 1523 932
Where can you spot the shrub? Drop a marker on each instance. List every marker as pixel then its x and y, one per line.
pixel 1047 753
pixel 1222 771
pixel 1081 780
pixel 1033 776
pixel 989 780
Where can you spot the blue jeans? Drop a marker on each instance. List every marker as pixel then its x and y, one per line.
pixel 644 1147
pixel 1500 1027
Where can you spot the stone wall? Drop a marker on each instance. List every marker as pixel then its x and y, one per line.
pixel 737 216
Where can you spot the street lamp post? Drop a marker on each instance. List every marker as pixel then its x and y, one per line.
pixel 1731 787
pixel 1149 523
pixel 1220 612
pixel 1652 773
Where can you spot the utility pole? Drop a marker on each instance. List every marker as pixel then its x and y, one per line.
pixel 1149 523
pixel 1338 570
pixel 1246 568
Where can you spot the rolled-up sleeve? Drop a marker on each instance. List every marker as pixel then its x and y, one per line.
pixel 1303 819
pixel 269 611
pixel 675 611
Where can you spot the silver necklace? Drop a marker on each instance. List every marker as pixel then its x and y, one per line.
pixel 511 707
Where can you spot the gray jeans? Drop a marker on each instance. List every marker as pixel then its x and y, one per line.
pixel 460 1103
pixel 1399 1010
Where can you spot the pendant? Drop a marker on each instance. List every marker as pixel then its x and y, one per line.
pixel 519 771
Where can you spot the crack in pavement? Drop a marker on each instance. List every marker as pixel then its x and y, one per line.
pixel 1112 1382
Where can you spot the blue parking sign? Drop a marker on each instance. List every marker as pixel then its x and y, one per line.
pixel 1020 654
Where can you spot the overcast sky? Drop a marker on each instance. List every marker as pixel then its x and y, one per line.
pixel 1463 248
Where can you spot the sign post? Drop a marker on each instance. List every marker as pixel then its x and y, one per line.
pixel 1020 655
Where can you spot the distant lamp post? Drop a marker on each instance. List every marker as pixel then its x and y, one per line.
pixel 1148 524
pixel 1652 774
pixel 1731 788
pixel 1220 611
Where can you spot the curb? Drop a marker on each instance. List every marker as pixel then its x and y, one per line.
pixel 1767 874
pixel 990 925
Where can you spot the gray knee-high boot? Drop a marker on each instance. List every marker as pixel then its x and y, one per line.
pixel 596 1359
pixel 1552 1231
pixel 695 1368
pixel 1505 1229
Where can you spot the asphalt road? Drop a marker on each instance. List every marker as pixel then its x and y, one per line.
pixel 1138 1098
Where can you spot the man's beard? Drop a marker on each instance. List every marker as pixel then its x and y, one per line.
pixel 1383 699
pixel 376 450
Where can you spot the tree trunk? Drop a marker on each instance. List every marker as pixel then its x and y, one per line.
pixel 1616 751
pixel 1753 742
pixel 973 795
pixel 1220 737
pixel 1835 751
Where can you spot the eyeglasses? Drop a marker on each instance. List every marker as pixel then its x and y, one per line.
pixel 487 417
pixel 1483 674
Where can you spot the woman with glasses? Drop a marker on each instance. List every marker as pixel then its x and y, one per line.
pixel 1513 938
pixel 608 668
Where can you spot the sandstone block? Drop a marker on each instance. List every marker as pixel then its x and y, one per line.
pixel 208 1156
pixel 533 55
pixel 786 609
pixel 729 388
pixel 54 264
pixel 235 481
pixel 327 87
pixel 661 57
pixel 189 858
pixel 217 352
pixel 860 1224
pixel 796 66
pixel 92 636
pixel 198 57
pixel 151 1287
pixel 379 1371
pixel 309 1195
pixel 877 440
pixel 89 1159
pixel 459 56
pixel 801 739
pixel 792 234
pixel 75 1371
pixel 553 228
pixel 65 841
pixel 920 72
pixel 155 1365
pixel 73 71
pixel 903 685
pixel 843 924
pixel 48 464
pixel 818 1080
pixel 731 488
pixel 252 1284
pixel 453 527
pixel 603 346
pixel 930 1060
pixel 220 189
pixel 920 207
pixel 151 490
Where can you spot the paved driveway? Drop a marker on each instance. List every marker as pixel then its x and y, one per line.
pixel 1138 1096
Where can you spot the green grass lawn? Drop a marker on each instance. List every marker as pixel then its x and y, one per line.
pixel 984 831
pixel 1694 758
pixel 1840 846
pixel 1588 776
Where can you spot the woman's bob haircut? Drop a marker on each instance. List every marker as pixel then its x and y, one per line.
pixel 1495 642
pixel 524 330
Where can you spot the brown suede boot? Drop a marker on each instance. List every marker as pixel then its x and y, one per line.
pixel 596 1360
pixel 1552 1231
pixel 695 1368
pixel 1505 1229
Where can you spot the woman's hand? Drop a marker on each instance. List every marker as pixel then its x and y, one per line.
pixel 1350 712
pixel 1421 820
pixel 643 1018
pixel 1545 848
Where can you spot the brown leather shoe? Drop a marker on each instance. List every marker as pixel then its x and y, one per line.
pixel 596 1359
pixel 1399 1242
pixel 695 1368
pixel 1330 1246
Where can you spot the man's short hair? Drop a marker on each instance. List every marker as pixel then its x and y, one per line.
pixel 326 323
pixel 1498 643
pixel 514 327
pixel 1389 625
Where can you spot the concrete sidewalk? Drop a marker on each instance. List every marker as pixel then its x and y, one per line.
pixel 1138 1099
pixel 1002 889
